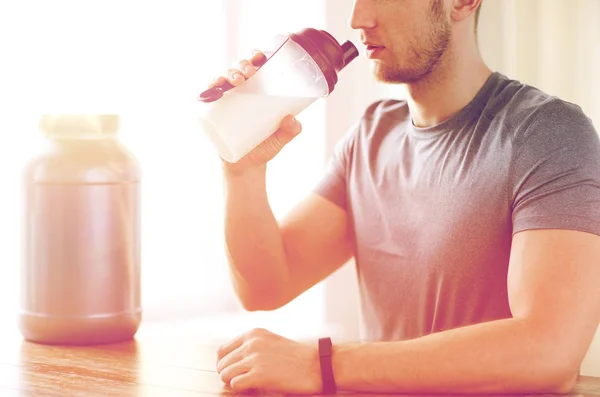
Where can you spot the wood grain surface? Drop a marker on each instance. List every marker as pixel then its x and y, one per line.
pixel 156 364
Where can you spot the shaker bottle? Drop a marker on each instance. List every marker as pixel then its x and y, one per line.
pixel 81 235
pixel 302 68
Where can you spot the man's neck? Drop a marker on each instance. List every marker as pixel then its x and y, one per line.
pixel 449 88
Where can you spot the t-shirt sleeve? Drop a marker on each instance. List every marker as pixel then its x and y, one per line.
pixel 333 185
pixel 556 172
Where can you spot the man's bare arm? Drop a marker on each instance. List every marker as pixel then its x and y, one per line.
pixel 273 262
pixel 555 302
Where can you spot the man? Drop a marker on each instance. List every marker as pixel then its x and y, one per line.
pixel 472 210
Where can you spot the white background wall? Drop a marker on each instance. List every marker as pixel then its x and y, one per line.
pixel 551 44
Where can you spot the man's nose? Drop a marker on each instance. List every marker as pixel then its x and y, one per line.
pixel 363 15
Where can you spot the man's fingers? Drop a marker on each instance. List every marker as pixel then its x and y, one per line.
pixel 229 359
pixel 218 81
pixel 289 129
pixel 239 368
pixel 246 68
pixel 227 348
pixel 235 77
pixel 241 70
pixel 243 382
pixel 258 58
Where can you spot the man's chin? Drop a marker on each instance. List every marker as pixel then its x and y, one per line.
pixel 386 80
pixel 395 76
pixel 386 76
pixel 380 77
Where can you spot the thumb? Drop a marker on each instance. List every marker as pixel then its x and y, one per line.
pixel 289 129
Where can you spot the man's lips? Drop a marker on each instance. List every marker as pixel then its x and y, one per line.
pixel 372 46
pixel 373 50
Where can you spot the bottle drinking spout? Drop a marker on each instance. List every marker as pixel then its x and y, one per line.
pixel 350 52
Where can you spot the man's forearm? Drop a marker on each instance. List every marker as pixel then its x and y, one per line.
pixel 253 239
pixel 504 356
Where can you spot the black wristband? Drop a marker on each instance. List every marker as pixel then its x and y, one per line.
pixel 325 351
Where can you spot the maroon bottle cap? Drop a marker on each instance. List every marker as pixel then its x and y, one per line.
pixel 329 55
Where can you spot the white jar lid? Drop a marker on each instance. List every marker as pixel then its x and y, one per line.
pixel 79 124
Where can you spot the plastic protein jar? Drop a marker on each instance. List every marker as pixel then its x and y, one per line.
pixel 80 270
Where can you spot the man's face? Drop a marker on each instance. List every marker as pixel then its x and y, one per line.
pixel 406 38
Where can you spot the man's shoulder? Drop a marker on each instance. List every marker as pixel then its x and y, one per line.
pixel 556 125
pixel 522 108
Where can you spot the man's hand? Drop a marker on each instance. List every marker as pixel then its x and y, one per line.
pixel 262 360
pixel 289 126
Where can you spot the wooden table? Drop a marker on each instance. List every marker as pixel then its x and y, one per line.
pixel 156 364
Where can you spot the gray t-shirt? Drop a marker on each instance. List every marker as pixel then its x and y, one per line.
pixel 433 210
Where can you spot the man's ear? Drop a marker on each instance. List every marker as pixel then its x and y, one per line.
pixel 463 9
